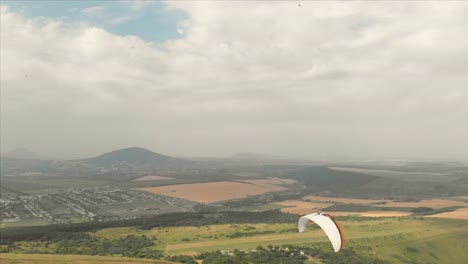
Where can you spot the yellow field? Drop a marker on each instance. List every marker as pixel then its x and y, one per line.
pixel 461 213
pixel 384 214
pixel 214 191
pixel 71 259
pixel 304 211
pixel 152 178
pixel 316 203
pixel 271 181
pixel 383 173
pixel 300 207
pixel 434 203
pixel 333 200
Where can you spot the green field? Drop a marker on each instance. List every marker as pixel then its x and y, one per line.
pixel 71 259
pixel 24 222
pixel 412 239
pixel 397 240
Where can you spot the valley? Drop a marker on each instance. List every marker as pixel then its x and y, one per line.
pixel 228 209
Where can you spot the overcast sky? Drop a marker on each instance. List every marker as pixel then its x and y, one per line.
pixel 360 79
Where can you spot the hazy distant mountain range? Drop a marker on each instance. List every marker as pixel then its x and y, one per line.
pixel 128 159
pixel 133 159
pixel 136 158
pixel 255 156
pixel 22 153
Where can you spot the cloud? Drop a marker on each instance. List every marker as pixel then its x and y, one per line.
pixel 353 79
pixel 182 26
pixel 121 19
pixel 138 5
pixel 94 10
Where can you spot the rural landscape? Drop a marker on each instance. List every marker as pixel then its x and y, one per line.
pixel 133 203
pixel 233 132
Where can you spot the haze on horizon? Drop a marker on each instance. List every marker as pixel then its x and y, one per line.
pixel 328 79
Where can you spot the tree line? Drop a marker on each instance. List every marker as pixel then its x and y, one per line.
pixel 59 231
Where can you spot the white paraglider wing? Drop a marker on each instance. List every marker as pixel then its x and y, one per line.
pixel 328 224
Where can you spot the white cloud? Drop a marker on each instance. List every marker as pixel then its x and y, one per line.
pixel 94 10
pixel 362 79
pixel 120 19
pixel 138 5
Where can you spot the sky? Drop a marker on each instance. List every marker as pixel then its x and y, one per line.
pixel 324 80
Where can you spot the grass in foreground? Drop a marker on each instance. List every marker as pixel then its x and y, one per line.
pixel 397 240
pixel 71 259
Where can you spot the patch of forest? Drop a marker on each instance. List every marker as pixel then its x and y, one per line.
pixel 9 235
pixel 279 254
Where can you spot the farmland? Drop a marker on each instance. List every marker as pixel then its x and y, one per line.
pixel 300 207
pixel 358 234
pixel 393 173
pixel 460 213
pixel 215 191
pixel 394 240
pixel 238 213
pixel 152 178
pixel 372 208
pixel 115 195
pixel 433 203
pixel 71 259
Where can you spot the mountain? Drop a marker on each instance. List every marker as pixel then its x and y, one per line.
pixel 24 167
pixel 135 158
pixel 22 153
pixel 255 156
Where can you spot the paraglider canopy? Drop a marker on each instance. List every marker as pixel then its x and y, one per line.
pixel 328 224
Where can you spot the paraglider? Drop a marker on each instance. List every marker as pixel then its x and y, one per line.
pixel 328 224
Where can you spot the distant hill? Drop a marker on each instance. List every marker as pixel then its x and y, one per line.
pixel 25 167
pixel 463 180
pixel 123 160
pixel 255 156
pixel 22 153
pixel 135 158
pixel 332 180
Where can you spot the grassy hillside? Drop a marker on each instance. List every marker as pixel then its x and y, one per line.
pixel 396 240
pixel 71 259
pixel 436 248
pixel 392 240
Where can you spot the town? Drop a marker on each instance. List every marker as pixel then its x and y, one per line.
pixel 87 204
